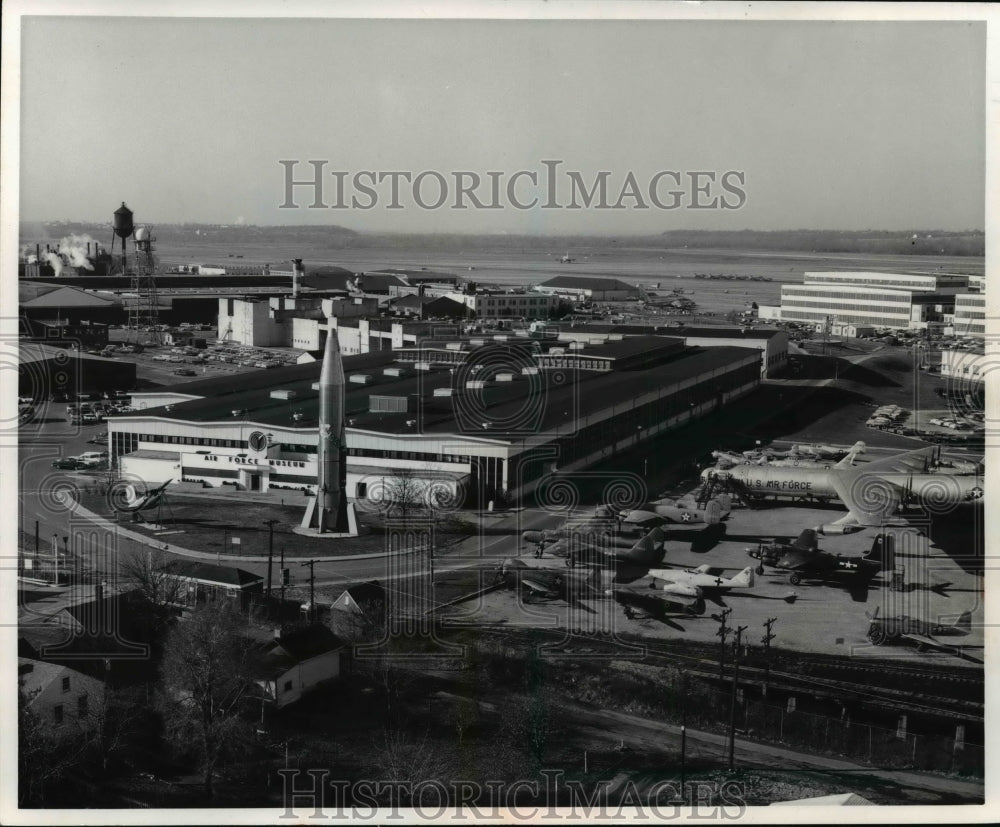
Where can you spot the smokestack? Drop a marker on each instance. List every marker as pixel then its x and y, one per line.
pixel 296 270
pixel 38 252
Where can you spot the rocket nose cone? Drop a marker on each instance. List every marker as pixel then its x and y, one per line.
pixel 333 369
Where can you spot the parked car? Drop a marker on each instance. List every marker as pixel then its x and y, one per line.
pixel 67 464
pixel 185 372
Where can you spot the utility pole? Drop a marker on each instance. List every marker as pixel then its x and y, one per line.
pixel 724 630
pixel 282 567
pixel 684 710
pixel 732 700
pixel 270 552
pixel 766 640
pixel 312 587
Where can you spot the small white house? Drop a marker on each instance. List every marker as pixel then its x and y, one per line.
pixel 58 695
pixel 293 663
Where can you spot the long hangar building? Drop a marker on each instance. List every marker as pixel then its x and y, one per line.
pixel 470 420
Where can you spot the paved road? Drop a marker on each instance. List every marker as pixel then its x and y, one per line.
pixel 41 443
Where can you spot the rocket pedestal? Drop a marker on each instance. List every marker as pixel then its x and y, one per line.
pixel 328 514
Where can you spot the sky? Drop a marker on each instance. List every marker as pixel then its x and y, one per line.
pixel 823 125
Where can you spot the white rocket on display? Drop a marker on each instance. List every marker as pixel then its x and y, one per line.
pixel 328 512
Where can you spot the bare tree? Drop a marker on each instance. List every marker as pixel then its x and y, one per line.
pixel 112 723
pixel 206 671
pixel 149 572
pixel 403 493
pixel 46 754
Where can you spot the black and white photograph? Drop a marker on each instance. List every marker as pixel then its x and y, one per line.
pixel 531 412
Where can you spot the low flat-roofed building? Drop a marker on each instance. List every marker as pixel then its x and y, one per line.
pixel 588 288
pixel 772 343
pixel 205 582
pixel 44 370
pixel 461 433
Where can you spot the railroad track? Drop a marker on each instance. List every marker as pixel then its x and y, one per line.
pixel 707 665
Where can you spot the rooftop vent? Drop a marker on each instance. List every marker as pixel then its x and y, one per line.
pixel 410 423
pixel 387 404
pixel 395 371
pixel 361 378
pixel 297 416
pixel 442 391
pixel 283 394
pixel 505 377
pixel 238 411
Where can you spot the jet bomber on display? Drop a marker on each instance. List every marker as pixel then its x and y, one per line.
pixel 873 492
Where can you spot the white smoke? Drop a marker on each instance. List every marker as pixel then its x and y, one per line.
pixel 74 247
pixel 28 254
pixel 240 221
pixel 56 262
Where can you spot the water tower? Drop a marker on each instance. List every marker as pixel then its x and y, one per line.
pixel 123 228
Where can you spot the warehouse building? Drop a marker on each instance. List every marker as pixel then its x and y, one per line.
pixel 493 423
pixel 772 343
pixel 583 288
pixel 45 372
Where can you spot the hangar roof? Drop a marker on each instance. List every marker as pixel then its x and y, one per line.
pixel 542 402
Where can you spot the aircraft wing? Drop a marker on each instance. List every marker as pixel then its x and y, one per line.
pixel 869 496
pixel 909 462
pixel 535 585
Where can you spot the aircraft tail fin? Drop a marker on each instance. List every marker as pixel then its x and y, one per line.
pixel 745 579
pixel 645 551
pixel 713 512
pixel 848 461
pixel 806 540
pixel 882 552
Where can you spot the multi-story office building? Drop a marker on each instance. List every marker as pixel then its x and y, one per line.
pixel 970 314
pixel 900 301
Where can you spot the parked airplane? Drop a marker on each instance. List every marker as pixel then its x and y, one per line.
pixel 923 633
pixel 827 451
pixel 130 501
pixel 683 510
pixel 541 582
pixel 770 553
pixel 599 547
pixel 806 562
pixel 654 605
pixel 699 582
pixel 872 492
